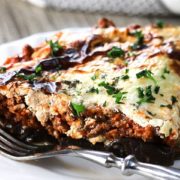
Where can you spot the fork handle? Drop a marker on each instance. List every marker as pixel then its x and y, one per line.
pixel 130 165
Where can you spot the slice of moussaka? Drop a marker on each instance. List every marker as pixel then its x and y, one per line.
pixel 106 88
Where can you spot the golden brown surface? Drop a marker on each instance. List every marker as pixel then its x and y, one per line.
pixel 24 103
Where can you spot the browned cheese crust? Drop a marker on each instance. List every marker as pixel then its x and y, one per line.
pixel 38 106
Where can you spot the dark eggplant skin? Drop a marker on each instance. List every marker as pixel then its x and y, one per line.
pixel 6 77
pixel 149 152
pixel 173 50
pixel 68 58
pixel 47 87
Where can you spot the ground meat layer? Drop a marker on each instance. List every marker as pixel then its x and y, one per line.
pixel 96 124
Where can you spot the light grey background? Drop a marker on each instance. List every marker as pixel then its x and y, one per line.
pixel 19 19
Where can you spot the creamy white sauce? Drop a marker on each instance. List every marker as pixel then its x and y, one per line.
pixel 167 120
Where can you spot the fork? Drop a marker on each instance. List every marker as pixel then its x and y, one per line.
pixel 20 151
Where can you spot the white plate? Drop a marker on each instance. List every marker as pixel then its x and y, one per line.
pixel 66 168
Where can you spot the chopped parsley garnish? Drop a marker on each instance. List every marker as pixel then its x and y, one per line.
pixel 110 89
pixel 165 71
pixel 116 93
pixel 131 54
pixel 126 71
pixel 156 89
pixel 77 108
pixel 71 84
pixel 94 90
pixel 140 92
pixel 119 96
pixel 166 105
pixel 173 99
pixel 124 77
pixel 160 24
pixel 104 104
pixel 146 74
pixel 145 95
pixel 163 76
pixel 126 63
pixel 116 52
pixel 115 80
pixel 38 69
pixel 150 113
pixel 170 106
pixel 103 76
pixel 2 69
pixel 139 40
pixel 30 77
pixel 55 47
pixel 140 37
pixel 94 77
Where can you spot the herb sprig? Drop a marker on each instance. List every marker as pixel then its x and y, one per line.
pixel 3 69
pixel 94 77
pixel 145 95
pixel 165 71
pixel 118 94
pixel 31 77
pixel 173 100
pixel 170 106
pixel 55 47
pixel 156 89
pixel 166 105
pixel 77 108
pixel 139 40
pixel 146 74
pixel 94 90
pixel 160 24
pixel 115 52
pixel 38 69
pixel 110 89
pixel 125 77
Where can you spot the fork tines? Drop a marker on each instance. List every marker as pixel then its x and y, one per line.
pixel 13 147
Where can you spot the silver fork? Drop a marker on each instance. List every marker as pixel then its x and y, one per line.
pixel 20 151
